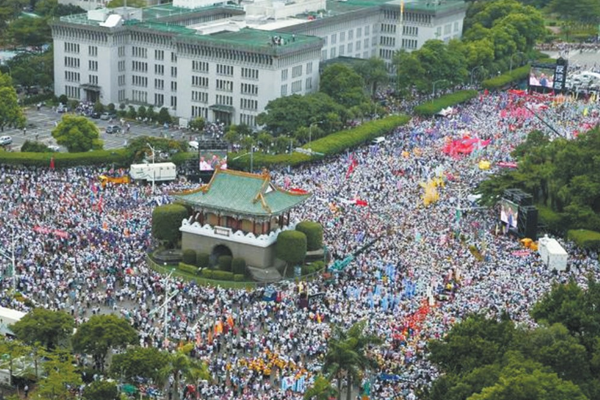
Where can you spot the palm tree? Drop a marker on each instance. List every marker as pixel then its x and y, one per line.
pixel 182 366
pixel 321 389
pixel 347 353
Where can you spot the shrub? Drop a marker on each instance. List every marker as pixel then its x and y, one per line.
pixel 225 263
pixel 238 278
pixel 207 273
pixel 314 234
pixel 189 256
pixel 190 269
pixel 120 158
pixel 331 144
pixel 431 108
pixel 35 147
pixel 553 220
pixel 307 270
pixel 202 260
pixel 318 265
pixel 166 221
pixel 238 266
pixel 291 247
pixel 585 239
pixel 222 275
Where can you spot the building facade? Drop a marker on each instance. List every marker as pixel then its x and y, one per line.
pixel 225 63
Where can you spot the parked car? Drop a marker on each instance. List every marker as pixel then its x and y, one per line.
pixel 113 129
pixel 54 147
pixel 5 140
pixel 105 116
pixel 95 115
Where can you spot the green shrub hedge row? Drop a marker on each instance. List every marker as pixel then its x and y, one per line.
pixel 507 78
pixel 225 263
pixel 238 266
pixel 120 158
pixel 332 144
pixel 222 275
pixel 448 100
pixel 585 239
pixel 312 268
pixel 189 257
pixel 38 98
pixel 190 269
pixel 202 260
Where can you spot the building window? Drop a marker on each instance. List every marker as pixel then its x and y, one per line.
pixel 159 84
pixel 342 50
pixel 447 29
pixel 350 48
pixel 121 80
pixel 200 66
pixel 72 92
pixel 358 45
pixel 248 104
pixel 121 95
pixel 174 102
pixel 296 71
pixel 139 96
pixel 309 68
pixel 224 86
pixel 121 51
pixel 367 30
pixel 173 86
pixel 173 59
pixel 223 69
pixel 93 51
pixel 199 97
pixel 284 74
pixel 71 76
pixel 284 90
pixel 159 69
pixel 250 73
pixel 224 100
pixel 159 55
pixel 139 66
pixel 334 38
pixel 121 66
pixel 351 34
pixel 71 48
pixel 366 43
pixel 199 112
pixel 139 52
pixel 358 32
pixel 173 72
pixel 248 88
pixel 141 81
pixel 308 84
pixel 93 79
pixel 71 62
pixel 200 81
pixel 247 119
pixel 323 55
pixel 296 86
pixel 159 99
pixel 342 36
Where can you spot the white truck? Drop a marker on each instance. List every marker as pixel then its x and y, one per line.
pixel 153 172
pixel 8 316
pixel 553 254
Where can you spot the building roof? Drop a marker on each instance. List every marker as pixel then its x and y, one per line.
pixel 243 193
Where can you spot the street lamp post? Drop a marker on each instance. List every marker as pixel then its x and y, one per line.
pixel 511 58
pixel 310 131
pixel 153 169
pixel 251 157
pixel 435 83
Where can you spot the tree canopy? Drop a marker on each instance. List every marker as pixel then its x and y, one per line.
pixel 559 174
pixel 77 134
pixel 11 113
pixel 343 84
pixel 50 328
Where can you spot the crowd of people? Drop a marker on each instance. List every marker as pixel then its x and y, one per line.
pixel 417 269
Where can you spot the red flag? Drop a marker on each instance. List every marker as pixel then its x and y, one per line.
pixel 52 163
pixel 353 163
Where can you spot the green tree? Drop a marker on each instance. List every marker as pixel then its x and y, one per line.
pixel 374 72
pixel 131 113
pixel 164 117
pixel 314 234
pixel 98 107
pixel 197 124
pixel 77 134
pixel 343 85
pixel 146 362
pixel 12 350
pixel 409 72
pixel 60 377
pixel 583 11
pixel 50 328
pixel 51 8
pixel 291 247
pixel 101 334
pixel 30 31
pixel 10 112
pixel 166 221
pixel 101 390
pixel 141 112
pixel 321 389
pixel 181 366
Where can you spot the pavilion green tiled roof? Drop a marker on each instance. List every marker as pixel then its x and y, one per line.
pixel 243 193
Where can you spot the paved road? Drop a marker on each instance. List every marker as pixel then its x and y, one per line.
pixel 40 124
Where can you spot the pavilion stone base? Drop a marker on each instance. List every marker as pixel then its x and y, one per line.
pixel 255 256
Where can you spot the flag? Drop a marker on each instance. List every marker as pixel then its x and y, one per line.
pixel 353 164
pixel 52 163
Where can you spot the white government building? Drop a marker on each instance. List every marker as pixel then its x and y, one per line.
pixel 226 62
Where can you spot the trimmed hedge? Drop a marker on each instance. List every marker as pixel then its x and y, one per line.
pixel 238 278
pixel 190 269
pixel 431 108
pixel 291 247
pixel 225 263
pixel 238 266
pixel 222 275
pixel 335 143
pixel 314 234
pixel 202 260
pixel 500 81
pixel 119 157
pixel 585 239
pixel 207 273
pixel 189 257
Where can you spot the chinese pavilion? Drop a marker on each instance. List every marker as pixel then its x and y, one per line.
pixel 238 214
